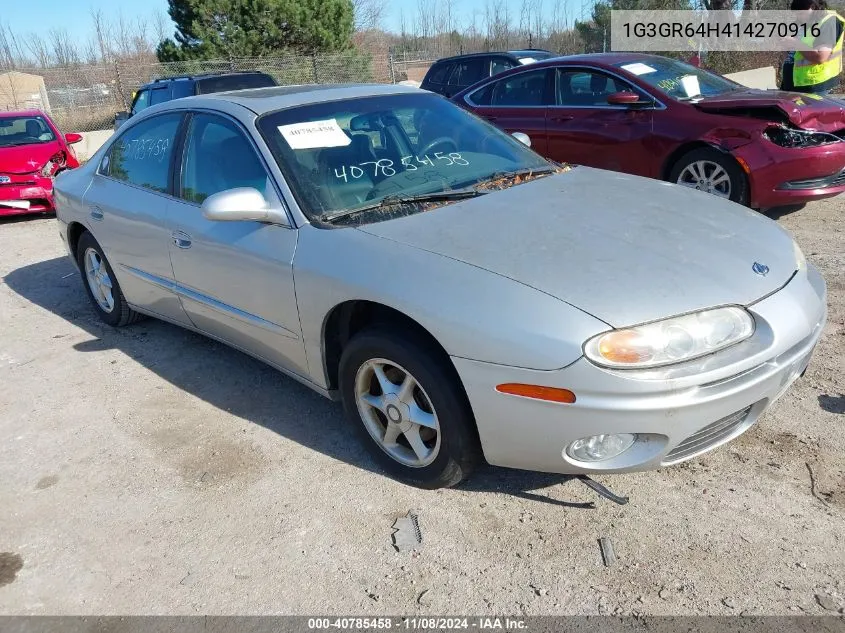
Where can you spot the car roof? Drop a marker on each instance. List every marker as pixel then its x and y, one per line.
pixel 262 100
pixel 471 55
pixel 604 59
pixel 197 76
pixel 524 52
pixel 8 115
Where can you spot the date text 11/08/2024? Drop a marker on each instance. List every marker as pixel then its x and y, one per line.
pixel 417 623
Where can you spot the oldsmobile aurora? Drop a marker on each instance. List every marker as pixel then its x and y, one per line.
pixel 462 296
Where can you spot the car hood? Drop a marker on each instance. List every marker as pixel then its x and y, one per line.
pixel 624 249
pixel 810 112
pixel 25 159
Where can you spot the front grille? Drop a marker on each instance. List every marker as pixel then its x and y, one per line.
pixel 710 436
pixel 839 180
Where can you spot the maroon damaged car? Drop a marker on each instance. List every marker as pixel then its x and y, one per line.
pixel 658 117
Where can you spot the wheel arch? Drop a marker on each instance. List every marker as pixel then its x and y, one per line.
pixel 680 151
pixel 74 233
pixel 350 317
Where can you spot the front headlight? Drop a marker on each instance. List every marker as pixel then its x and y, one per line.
pixel 791 137
pixel 56 162
pixel 800 260
pixel 670 341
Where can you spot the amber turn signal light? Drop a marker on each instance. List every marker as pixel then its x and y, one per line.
pixel 552 394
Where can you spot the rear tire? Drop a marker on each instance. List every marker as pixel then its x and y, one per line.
pixel 707 169
pixel 101 285
pixel 408 408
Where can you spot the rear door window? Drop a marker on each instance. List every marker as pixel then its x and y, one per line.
pixel 523 89
pixel 141 156
pixel 467 72
pixel 437 75
pixel 159 95
pixel 182 88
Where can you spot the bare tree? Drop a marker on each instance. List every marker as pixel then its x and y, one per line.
pixel 162 26
pixel 63 50
pixel 497 21
pixel 12 54
pixel 39 49
pixel 102 33
pixel 369 14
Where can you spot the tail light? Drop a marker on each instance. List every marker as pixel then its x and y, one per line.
pixel 56 162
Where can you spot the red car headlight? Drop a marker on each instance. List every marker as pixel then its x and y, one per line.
pixel 56 162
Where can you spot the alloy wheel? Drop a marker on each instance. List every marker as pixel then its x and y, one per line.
pixel 707 176
pixel 98 280
pixel 397 412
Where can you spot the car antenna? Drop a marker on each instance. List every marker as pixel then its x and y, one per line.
pixel 601 490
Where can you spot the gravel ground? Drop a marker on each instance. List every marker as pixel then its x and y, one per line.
pixel 151 471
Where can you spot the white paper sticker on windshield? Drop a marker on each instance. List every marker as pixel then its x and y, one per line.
pixel 638 69
pixel 691 86
pixel 315 134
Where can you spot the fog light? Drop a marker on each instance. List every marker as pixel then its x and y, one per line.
pixel 597 448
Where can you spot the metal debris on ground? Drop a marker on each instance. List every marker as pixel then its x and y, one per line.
pixel 407 534
pixel 607 553
pixel 602 490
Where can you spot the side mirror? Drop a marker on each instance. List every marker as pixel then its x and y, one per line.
pixel 73 137
pixel 625 98
pixel 241 204
pixel 523 138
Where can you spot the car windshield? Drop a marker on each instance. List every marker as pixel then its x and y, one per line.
pixel 339 156
pixel 679 80
pixel 24 130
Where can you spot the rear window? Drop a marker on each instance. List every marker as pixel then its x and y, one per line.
pixel 234 82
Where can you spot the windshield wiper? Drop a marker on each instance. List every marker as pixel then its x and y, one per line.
pixel 499 175
pixel 390 201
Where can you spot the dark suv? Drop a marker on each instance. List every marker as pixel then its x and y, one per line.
pixel 168 88
pixel 450 75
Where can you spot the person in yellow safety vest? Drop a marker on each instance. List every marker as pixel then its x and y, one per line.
pixel 816 70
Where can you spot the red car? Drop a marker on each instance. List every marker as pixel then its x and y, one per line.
pixel 32 152
pixel 659 117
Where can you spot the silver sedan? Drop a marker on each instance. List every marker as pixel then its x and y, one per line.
pixel 464 298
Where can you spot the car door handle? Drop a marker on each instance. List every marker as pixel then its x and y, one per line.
pixel 492 119
pixel 560 118
pixel 181 239
pixel 96 213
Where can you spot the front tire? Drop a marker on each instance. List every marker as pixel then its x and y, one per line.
pixel 713 172
pixel 101 284
pixel 408 408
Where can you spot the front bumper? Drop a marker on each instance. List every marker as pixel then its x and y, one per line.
pixel 772 167
pixel 26 193
pixel 676 414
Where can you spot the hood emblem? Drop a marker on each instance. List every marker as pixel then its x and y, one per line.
pixel 760 269
pixel 4 180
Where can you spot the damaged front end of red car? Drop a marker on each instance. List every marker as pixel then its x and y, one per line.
pixel 31 192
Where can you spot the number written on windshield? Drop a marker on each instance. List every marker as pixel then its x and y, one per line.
pixel 386 167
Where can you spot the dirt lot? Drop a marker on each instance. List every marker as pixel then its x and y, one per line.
pixel 151 471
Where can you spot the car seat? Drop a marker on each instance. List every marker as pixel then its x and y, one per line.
pixel 34 129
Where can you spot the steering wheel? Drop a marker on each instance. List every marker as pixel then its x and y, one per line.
pixel 442 140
